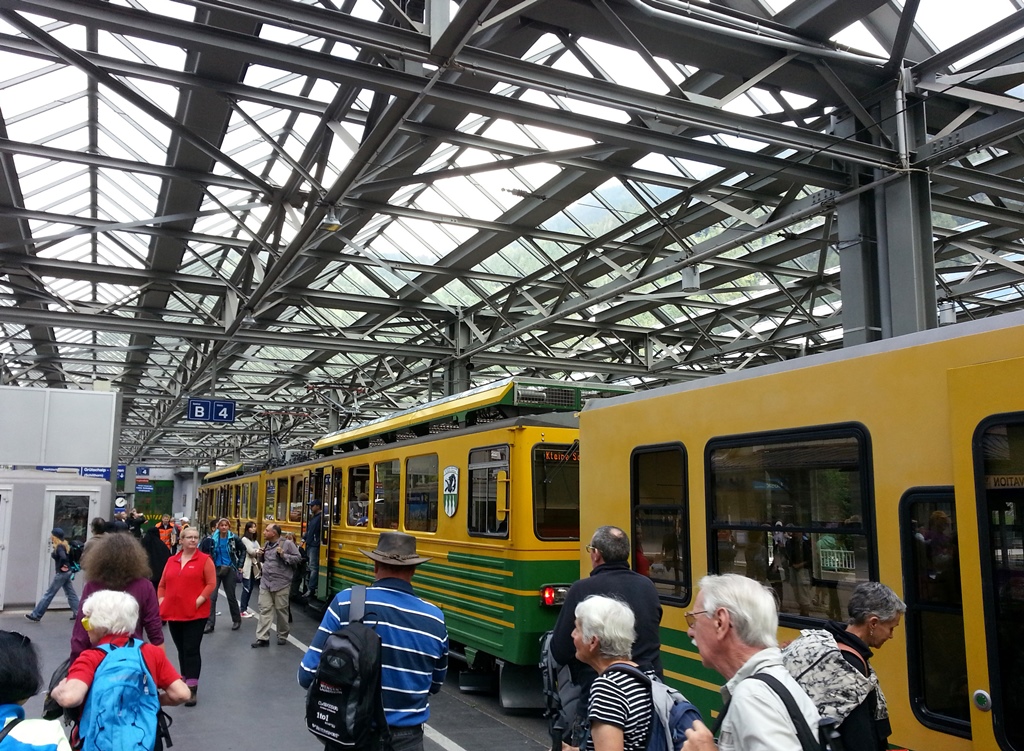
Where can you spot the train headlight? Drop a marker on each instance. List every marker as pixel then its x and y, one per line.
pixel 553 594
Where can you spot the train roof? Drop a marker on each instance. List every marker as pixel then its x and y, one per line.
pixel 497 400
pixel 917 339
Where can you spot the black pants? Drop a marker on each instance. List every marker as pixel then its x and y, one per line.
pixel 188 637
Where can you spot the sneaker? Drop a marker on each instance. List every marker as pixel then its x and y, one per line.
pixel 247 614
pixel 208 629
pixel 192 696
pixel 32 618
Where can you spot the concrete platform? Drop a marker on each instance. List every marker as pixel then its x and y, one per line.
pixel 249 699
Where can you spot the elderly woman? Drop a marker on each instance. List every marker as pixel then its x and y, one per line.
pixel 118 562
pixel 620 708
pixel 20 680
pixel 833 666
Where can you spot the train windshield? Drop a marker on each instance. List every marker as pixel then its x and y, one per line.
pixel 556 491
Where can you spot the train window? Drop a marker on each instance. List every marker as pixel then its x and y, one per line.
pixel 359 495
pixel 488 479
pixel 337 495
pixel 661 538
pixel 281 513
pixel 421 481
pixel 936 644
pixel 298 500
pixel 999 467
pixel 386 487
pixel 254 511
pixel 556 491
pixel 789 509
pixel 268 510
pixel 236 500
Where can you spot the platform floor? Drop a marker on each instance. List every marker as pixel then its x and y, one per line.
pixel 249 699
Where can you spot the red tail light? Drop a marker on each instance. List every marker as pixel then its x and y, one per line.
pixel 553 594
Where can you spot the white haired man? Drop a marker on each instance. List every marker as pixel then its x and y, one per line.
pixel 733 625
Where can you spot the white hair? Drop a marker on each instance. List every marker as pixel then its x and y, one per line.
pixel 751 607
pixel 611 621
pixel 114 612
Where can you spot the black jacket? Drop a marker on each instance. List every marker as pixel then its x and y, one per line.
pixel 637 591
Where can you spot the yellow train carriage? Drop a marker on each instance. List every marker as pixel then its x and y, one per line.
pixel 900 461
pixel 488 482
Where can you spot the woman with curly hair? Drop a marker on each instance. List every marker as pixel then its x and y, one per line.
pixel 117 561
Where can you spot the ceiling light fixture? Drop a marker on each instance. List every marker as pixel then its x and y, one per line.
pixel 330 221
pixel 690 277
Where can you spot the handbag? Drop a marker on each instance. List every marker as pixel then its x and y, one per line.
pixel 51 709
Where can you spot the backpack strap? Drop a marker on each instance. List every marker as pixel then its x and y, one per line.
pixel 9 727
pixel 803 731
pixel 850 650
pixel 357 603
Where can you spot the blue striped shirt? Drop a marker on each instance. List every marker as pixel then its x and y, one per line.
pixel 414 647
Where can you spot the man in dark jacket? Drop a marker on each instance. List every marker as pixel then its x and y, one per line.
pixel 610 576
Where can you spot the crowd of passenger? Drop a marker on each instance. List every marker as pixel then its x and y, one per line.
pixel 607 634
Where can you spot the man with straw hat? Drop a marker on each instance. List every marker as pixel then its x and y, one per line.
pixel 414 640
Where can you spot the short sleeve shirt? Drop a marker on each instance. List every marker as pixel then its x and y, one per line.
pixel 623 700
pixel 84 666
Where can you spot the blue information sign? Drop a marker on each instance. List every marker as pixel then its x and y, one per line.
pixel 209 410
pixel 199 409
pixel 223 411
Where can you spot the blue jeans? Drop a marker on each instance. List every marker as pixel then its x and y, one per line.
pixel 60 581
pixel 313 560
pixel 246 593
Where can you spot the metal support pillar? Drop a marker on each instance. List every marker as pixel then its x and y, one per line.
pixel 457 373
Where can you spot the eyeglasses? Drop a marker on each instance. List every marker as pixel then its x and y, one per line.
pixel 591 549
pixel 691 617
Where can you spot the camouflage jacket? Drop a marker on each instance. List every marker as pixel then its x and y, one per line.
pixel 835 686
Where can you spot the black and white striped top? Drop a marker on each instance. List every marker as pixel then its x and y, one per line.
pixel 623 700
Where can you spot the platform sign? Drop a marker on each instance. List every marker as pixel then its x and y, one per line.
pixel 120 472
pixel 199 409
pixel 223 411
pixel 143 488
pixel 102 472
pixel 210 410
pixel 141 471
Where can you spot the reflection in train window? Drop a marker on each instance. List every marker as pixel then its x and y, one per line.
pixel 359 495
pixel 487 469
pixel 281 513
pixel 935 617
pixel 387 480
pixel 556 491
pixel 661 539
pixel 421 482
pixel 1001 516
pixel 790 510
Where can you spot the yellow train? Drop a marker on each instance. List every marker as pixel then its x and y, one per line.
pixel 900 461
pixel 488 481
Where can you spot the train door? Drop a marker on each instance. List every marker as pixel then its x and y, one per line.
pixel 987 423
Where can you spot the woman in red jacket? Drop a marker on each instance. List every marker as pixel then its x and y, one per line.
pixel 184 596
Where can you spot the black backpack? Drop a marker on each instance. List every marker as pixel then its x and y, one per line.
pixel 75 549
pixel 561 696
pixel 344 707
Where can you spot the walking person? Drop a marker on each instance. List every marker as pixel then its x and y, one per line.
pixel 733 625
pixel 414 639
pixel 227 552
pixel 118 562
pixel 833 666
pixel 184 596
pixel 611 576
pixel 279 558
pixel 63 577
pixel 620 706
pixel 251 571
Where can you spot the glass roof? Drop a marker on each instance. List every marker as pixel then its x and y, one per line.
pixel 329 211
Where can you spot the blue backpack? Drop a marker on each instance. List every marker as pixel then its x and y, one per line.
pixel 120 712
